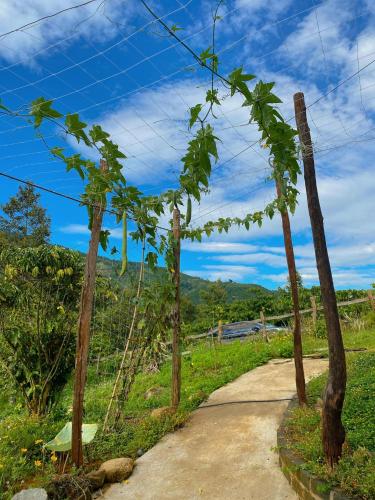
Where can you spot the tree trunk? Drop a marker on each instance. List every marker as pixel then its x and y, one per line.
pixel 83 338
pixel 297 340
pixel 333 430
pixel 176 351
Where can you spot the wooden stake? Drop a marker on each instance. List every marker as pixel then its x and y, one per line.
pixel 220 331
pixel 297 340
pixel 371 299
pixel 176 350
pixel 314 310
pixel 333 430
pixel 264 330
pixel 83 338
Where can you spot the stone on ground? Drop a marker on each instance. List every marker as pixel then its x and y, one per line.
pixel 117 469
pixel 31 494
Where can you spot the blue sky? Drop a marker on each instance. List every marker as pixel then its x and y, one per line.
pixel 112 64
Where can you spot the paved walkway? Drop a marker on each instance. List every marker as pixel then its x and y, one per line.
pixel 223 452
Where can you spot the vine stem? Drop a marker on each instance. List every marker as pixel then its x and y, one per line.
pixel 126 349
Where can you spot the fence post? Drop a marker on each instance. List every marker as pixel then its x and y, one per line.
pixel 84 323
pixel 371 299
pixel 176 350
pixel 264 330
pixel 333 429
pixel 314 310
pixel 220 331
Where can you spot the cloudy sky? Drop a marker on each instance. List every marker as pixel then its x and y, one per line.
pixel 111 63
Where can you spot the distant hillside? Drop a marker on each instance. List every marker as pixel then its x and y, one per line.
pixel 191 286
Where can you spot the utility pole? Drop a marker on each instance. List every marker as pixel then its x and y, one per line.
pixel 333 429
pixel 176 316
pixel 297 340
pixel 84 323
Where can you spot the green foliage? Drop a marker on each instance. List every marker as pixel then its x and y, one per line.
pixel 354 473
pixel 37 347
pixel 25 222
pixel 124 251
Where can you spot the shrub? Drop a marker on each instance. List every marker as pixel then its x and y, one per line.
pixel 40 288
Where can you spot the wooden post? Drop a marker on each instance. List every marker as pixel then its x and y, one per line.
pixel 176 350
pixel 371 299
pixel 83 338
pixel 314 310
pixel 297 340
pixel 264 330
pixel 333 429
pixel 220 331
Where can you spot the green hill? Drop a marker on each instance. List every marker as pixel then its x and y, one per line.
pixel 191 286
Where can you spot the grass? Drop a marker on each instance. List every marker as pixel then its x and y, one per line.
pixel 203 370
pixel 355 472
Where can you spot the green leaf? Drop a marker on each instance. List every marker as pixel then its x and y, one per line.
pixel 97 133
pixel 40 109
pixel 175 28
pixel 194 113
pixel 76 128
pixel 103 239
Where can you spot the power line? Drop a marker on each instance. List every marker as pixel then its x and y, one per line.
pixel 67 197
pixel 49 16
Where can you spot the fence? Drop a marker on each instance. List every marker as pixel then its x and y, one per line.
pixel 263 319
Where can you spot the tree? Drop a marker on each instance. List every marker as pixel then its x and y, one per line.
pixel 39 294
pixel 215 295
pixel 25 221
pixel 299 282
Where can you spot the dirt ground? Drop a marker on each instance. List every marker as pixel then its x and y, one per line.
pixel 224 452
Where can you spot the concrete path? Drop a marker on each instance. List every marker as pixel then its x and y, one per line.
pixel 223 452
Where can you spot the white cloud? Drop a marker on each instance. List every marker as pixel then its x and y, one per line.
pixel 82 229
pixel 218 247
pixel 225 272
pixel 87 22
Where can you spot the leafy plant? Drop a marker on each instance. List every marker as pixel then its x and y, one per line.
pixel 38 312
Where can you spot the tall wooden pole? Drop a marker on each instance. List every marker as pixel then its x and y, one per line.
pixel 297 340
pixel 333 430
pixel 176 350
pixel 83 338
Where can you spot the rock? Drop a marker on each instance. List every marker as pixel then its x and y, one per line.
pixel 96 478
pixel 140 452
pixel 117 469
pixel 164 411
pixel 31 494
pixel 154 391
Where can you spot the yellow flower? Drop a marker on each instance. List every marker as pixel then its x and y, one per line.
pixel 53 458
pixel 37 463
pixel 38 441
pixel 23 450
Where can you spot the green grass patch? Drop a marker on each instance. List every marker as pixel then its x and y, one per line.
pixel 355 472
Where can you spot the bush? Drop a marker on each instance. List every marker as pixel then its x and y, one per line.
pixel 39 295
